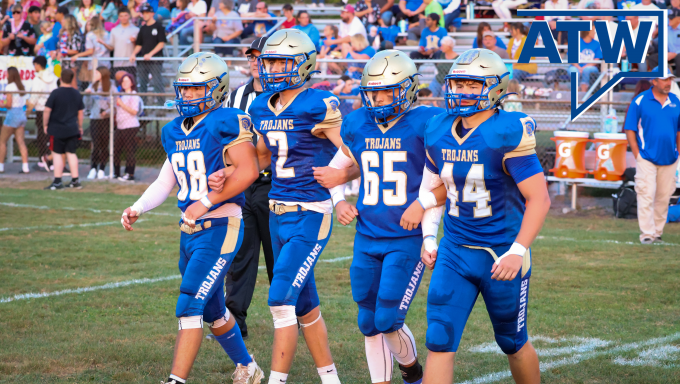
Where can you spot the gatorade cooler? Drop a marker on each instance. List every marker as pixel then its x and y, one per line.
pixel 570 154
pixel 611 156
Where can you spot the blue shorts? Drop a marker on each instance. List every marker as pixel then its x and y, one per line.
pixel 459 276
pixel 385 276
pixel 298 238
pixel 16 118
pixel 204 259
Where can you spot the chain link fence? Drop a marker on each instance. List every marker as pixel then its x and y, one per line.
pixel 122 131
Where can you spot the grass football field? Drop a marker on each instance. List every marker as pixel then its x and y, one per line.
pixel 81 300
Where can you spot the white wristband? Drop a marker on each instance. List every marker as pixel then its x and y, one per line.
pixel 337 198
pixel 515 249
pixel 205 201
pixel 430 243
pixel 427 200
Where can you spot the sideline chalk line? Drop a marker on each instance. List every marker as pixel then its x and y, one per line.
pixel 44 207
pixel 26 296
pixel 559 238
pixel 62 226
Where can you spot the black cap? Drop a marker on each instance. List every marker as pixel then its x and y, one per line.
pixel 257 45
pixel 146 7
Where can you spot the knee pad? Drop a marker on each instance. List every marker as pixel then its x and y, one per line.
pixel 184 306
pixel 385 319
pixel 366 321
pixel 508 339
pixel 221 321
pixel 440 337
pixel 402 344
pixel 190 322
pixel 283 315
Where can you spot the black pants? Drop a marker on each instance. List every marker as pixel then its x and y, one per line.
pixel 240 281
pixel 125 140
pixel 653 61
pixel 43 139
pixel 99 130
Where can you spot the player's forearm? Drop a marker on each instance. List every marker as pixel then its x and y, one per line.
pixel 537 207
pixel 158 191
pixel 264 161
pixel 244 175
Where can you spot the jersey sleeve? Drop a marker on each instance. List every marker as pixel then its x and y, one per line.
pixel 430 164
pixel 523 167
pixel 255 106
pixel 347 135
pixel 234 129
pixel 520 139
pixel 325 113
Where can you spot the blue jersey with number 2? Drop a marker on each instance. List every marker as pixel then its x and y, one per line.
pixel 197 152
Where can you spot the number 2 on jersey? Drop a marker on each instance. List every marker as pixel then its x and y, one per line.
pixel 278 138
pixel 474 190
pixel 371 159
pixel 195 164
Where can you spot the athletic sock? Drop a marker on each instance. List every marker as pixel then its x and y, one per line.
pixel 24 167
pixel 413 373
pixel 277 378
pixel 176 380
pixel 57 180
pixel 232 343
pixel 328 374
pixel 2 167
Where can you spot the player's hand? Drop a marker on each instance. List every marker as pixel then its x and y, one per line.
pixel 216 180
pixel 329 177
pixel 346 212
pixel 192 213
pixel 507 268
pixel 129 217
pixel 412 216
pixel 429 258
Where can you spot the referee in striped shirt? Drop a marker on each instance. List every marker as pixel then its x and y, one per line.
pixel 241 278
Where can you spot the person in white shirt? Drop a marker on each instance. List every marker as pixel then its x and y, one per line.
pixel 197 8
pixel 551 5
pixel 15 121
pixel 350 26
pixel 646 5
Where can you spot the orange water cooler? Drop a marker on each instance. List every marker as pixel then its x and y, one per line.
pixel 610 149
pixel 570 154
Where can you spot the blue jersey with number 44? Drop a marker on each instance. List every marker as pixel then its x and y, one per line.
pixel 197 152
pixel 391 162
pixel 295 137
pixel 484 206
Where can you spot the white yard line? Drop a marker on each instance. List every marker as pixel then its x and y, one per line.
pixel 577 358
pixel 46 208
pixel 559 238
pixel 62 226
pixel 26 296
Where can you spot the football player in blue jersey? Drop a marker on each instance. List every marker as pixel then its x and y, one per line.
pixel 300 129
pixel 384 139
pixel 497 203
pixel 202 140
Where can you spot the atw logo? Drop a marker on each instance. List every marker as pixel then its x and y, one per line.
pixel 636 43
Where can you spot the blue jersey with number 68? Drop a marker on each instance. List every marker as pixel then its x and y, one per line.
pixel 391 161
pixel 195 153
pixel 481 171
pixel 294 135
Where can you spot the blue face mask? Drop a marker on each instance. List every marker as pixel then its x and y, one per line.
pixel 482 101
pixel 277 82
pixel 385 114
pixel 192 107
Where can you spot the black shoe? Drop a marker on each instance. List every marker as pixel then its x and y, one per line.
pixel 75 185
pixel 54 186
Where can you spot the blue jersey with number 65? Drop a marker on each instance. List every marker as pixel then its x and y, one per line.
pixel 481 168
pixel 196 152
pixel 294 135
pixel 391 161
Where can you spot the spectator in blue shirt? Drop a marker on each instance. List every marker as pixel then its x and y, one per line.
pixel 304 24
pixel 481 28
pixel 430 38
pixel 673 40
pixel 411 11
pixel 258 27
pixel 346 87
pixel 590 50
pixel 653 131
pixel 359 50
